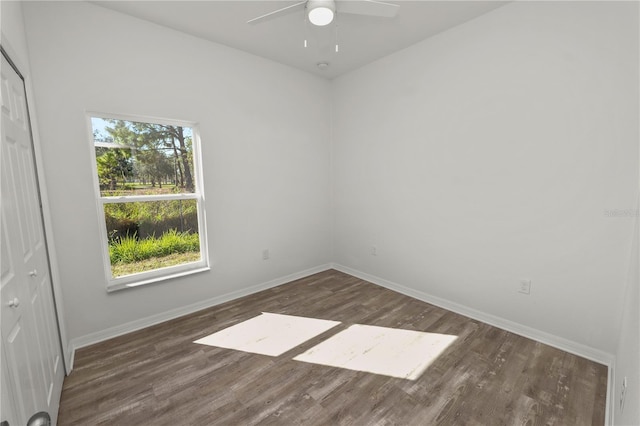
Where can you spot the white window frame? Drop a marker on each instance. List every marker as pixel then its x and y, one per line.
pixel 161 274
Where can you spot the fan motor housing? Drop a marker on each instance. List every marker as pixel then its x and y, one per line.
pixel 320 12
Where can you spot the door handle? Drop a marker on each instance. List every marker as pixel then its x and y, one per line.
pixel 33 273
pixel 14 303
pixel 39 419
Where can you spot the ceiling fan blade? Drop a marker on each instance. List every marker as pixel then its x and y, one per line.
pixel 277 13
pixel 368 7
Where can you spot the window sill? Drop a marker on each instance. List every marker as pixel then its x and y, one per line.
pixel 115 286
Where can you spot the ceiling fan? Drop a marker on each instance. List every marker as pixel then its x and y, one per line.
pixel 322 12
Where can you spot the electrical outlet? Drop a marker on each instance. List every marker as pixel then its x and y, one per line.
pixel 623 393
pixel 525 287
pixel 374 251
pixel 265 254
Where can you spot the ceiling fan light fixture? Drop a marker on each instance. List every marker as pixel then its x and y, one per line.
pixel 321 12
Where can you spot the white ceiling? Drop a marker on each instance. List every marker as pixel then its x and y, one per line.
pixel 362 39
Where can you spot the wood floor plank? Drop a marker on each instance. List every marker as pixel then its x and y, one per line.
pixel 487 376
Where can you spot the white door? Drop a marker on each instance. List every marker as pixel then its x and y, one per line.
pixel 31 354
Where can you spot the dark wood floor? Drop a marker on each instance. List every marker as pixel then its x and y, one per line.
pixel 157 376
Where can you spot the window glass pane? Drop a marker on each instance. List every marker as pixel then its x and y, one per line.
pixel 135 158
pixel 149 235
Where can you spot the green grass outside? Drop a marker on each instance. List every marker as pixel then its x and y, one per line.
pixel 129 255
pixel 120 269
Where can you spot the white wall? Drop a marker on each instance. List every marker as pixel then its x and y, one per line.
pixel 14 39
pixel 489 154
pixel 264 130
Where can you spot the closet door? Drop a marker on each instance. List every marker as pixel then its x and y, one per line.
pixel 31 353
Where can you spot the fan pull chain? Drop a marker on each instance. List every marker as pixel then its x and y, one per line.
pixel 306 29
pixel 337 45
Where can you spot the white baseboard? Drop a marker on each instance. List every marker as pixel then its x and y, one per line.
pixel 566 345
pixel 611 400
pixel 129 327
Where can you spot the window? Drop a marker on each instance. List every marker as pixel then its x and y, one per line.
pixel 149 196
